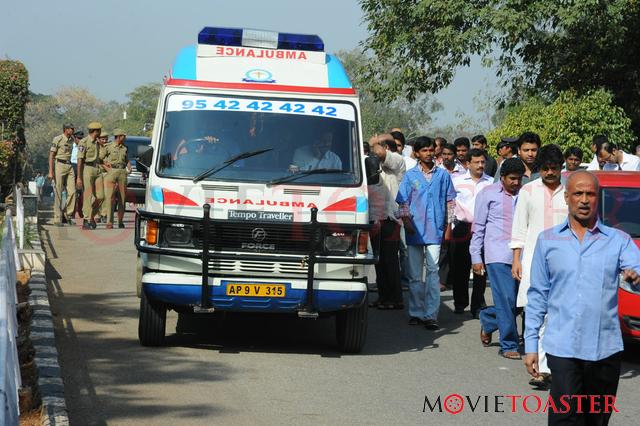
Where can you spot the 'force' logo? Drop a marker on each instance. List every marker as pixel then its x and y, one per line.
pixel 258 234
pixel 258 246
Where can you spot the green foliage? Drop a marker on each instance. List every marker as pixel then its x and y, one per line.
pixel 46 113
pixel 539 47
pixel 380 116
pixel 14 92
pixel 141 109
pixel 570 120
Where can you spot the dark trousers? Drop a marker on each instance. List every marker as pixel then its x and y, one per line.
pixel 388 266
pixel 571 376
pixel 460 268
pixel 444 264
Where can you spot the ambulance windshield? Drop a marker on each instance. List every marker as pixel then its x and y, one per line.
pixel 201 132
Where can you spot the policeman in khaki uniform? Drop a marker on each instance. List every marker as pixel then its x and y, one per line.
pixel 89 168
pixel 102 139
pixel 60 163
pixel 116 163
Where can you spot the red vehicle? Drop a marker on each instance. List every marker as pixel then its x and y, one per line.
pixel 620 208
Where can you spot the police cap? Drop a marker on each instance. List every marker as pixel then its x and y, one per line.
pixel 94 125
pixel 118 132
pixel 104 134
pixel 79 134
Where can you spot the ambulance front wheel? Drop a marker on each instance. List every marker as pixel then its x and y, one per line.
pixel 351 329
pixel 152 321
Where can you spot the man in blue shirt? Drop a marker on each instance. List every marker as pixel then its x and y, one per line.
pixel 426 201
pixel 574 280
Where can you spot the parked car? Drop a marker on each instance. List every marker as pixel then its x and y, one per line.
pixel 136 180
pixel 619 207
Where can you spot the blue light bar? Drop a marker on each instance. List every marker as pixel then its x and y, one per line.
pixel 300 42
pixel 220 36
pixel 234 37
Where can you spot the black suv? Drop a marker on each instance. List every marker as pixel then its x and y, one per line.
pixel 136 181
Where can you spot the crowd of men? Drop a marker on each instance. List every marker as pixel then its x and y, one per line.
pixel 444 212
pixel 86 172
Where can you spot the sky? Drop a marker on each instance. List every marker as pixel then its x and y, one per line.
pixel 112 46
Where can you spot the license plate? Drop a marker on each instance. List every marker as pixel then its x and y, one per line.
pixel 256 290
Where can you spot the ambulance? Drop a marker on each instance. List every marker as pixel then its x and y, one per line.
pixel 256 198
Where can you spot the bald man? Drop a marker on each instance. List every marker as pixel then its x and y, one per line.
pixel 574 281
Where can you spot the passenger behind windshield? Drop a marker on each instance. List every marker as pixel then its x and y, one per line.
pixel 316 156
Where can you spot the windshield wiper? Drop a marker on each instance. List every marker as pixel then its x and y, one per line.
pixel 304 173
pixel 228 162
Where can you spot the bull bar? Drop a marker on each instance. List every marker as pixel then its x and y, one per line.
pixel 310 259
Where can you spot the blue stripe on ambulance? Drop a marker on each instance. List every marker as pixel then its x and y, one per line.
pixel 324 300
pixel 337 75
pixel 184 67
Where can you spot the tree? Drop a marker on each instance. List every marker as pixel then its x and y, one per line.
pixel 141 108
pixel 380 116
pixel 539 47
pixel 45 115
pixel 570 120
pixel 14 92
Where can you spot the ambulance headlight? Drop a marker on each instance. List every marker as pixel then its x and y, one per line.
pixel 178 235
pixel 338 242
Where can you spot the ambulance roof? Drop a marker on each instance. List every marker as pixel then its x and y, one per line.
pixel 233 58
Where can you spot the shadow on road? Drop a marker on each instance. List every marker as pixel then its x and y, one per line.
pixel 388 333
pixel 118 363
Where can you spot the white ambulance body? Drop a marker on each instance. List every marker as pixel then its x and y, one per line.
pixel 256 199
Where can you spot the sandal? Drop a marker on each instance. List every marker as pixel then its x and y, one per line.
pixel 485 338
pixel 541 381
pixel 511 355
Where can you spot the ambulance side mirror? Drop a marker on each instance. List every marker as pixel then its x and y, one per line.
pixel 144 161
pixel 372 169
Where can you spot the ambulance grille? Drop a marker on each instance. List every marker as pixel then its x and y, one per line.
pixel 278 238
pixel 227 188
pixel 294 191
pixel 258 268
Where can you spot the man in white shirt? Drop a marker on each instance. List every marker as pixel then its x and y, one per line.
pixel 388 266
pixel 316 156
pixel 596 142
pixel 409 161
pixel 541 205
pixel 613 158
pixel 450 162
pixel 467 186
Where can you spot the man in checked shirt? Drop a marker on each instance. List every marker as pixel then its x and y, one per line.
pixel 426 201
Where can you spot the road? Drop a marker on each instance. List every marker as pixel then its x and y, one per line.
pixel 266 370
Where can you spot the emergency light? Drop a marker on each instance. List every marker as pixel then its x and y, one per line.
pixel 260 38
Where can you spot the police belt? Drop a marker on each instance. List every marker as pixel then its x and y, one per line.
pixel 93 163
pixel 63 161
pixel 118 166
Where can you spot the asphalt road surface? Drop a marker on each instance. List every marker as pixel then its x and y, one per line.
pixel 268 370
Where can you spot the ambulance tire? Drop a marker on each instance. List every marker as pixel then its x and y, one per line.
pixel 351 329
pixel 152 321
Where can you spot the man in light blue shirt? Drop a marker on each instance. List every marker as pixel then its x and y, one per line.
pixel 426 202
pixel 574 280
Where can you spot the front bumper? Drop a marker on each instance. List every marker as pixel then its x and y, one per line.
pixel 185 290
pixel 207 291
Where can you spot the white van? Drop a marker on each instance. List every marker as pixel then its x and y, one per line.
pixel 256 197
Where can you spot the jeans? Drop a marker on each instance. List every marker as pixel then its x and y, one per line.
pixel 424 296
pixel 502 316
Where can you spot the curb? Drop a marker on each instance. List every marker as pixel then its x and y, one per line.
pixel 50 383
